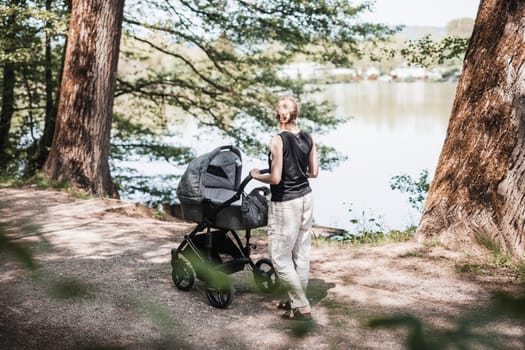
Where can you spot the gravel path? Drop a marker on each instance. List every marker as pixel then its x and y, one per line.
pixel 104 282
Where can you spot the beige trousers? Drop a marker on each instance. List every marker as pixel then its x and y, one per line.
pixel 289 230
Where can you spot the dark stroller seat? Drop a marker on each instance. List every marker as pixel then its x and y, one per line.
pixel 211 194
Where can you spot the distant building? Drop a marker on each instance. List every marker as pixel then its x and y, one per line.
pixel 407 73
pixel 372 73
pixel 311 71
pixel 418 73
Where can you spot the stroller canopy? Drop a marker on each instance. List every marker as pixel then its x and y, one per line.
pixel 215 176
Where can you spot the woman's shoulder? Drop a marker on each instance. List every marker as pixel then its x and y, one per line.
pixel 304 132
pixel 277 139
pixel 306 135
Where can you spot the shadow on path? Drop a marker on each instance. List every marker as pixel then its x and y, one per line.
pixel 318 290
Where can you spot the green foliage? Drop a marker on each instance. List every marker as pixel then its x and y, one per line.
pixel 219 65
pixel 486 241
pixel 374 237
pixel 471 330
pixel 426 52
pixel 20 29
pixel 32 35
pixel 513 268
pixel 38 180
pixel 19 251
pixel 68 288
pixel 216 63
pixel 367 229
pixel 155 312
pixel 24 26
pixel 222 60
pixel 427 47
pixel 415 337
pixel 134 141
pixel 416 188
pixel 500 259
pixel 494 247
pixel 367 224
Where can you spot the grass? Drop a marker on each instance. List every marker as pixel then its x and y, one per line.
pixel 418 253
pixel 372 237
pixel 41 182
pixel 500 259
pixel 38 180
pixel 431 243
pixel 471 268
pixel 513 269
pixel 501 264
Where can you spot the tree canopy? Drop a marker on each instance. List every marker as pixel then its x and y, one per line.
pixel 218 63
pixel 220 67
pixel 224 57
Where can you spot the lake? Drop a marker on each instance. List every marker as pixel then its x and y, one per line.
pixel 391 129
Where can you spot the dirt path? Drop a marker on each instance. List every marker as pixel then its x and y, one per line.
pixel 105 282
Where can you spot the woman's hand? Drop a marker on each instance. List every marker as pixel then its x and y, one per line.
pixel 255 173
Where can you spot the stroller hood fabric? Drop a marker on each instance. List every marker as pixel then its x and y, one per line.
pixel 215 176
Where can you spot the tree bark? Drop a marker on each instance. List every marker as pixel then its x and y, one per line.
pixel 7 109
pixel 80 151
pixel 477 197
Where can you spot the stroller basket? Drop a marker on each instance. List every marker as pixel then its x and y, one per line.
pixel 211 194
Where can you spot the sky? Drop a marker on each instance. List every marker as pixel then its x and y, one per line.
pixel 422 12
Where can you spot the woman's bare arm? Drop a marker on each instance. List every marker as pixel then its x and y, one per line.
pixel 274 177
pixel 313 163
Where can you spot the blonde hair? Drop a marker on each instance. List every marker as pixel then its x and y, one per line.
pixel 294 113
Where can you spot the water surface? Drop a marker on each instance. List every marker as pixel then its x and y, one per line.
pixel 391 129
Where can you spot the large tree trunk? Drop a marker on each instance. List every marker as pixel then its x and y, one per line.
pixel 80 149
pixel 477 196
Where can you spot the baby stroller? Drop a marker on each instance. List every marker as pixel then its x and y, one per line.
pixel 209 192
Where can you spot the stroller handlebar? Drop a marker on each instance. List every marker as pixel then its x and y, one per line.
pixel 248 178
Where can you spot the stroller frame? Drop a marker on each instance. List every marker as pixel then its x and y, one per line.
pixel 201 254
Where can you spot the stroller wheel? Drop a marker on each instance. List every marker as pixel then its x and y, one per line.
pixel 265 276
pixel 182 274
pixel 219 290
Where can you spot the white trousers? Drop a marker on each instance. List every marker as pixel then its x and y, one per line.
pixel 289 230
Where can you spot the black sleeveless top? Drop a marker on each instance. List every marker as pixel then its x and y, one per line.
pixel 296 153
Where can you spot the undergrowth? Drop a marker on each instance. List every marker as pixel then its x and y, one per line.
pixel 41 182
pixel 369 229
pixel 371 237
pixel 499 260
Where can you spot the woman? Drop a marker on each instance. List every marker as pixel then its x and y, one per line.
pixel 293 159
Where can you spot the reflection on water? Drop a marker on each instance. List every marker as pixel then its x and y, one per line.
pixel 394 129
pixel 388 104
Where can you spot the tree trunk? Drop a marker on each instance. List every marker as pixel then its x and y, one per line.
pixel 46 140
pixel 7 110
pixel 80 150
pixel 8 84
pixel 477 197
